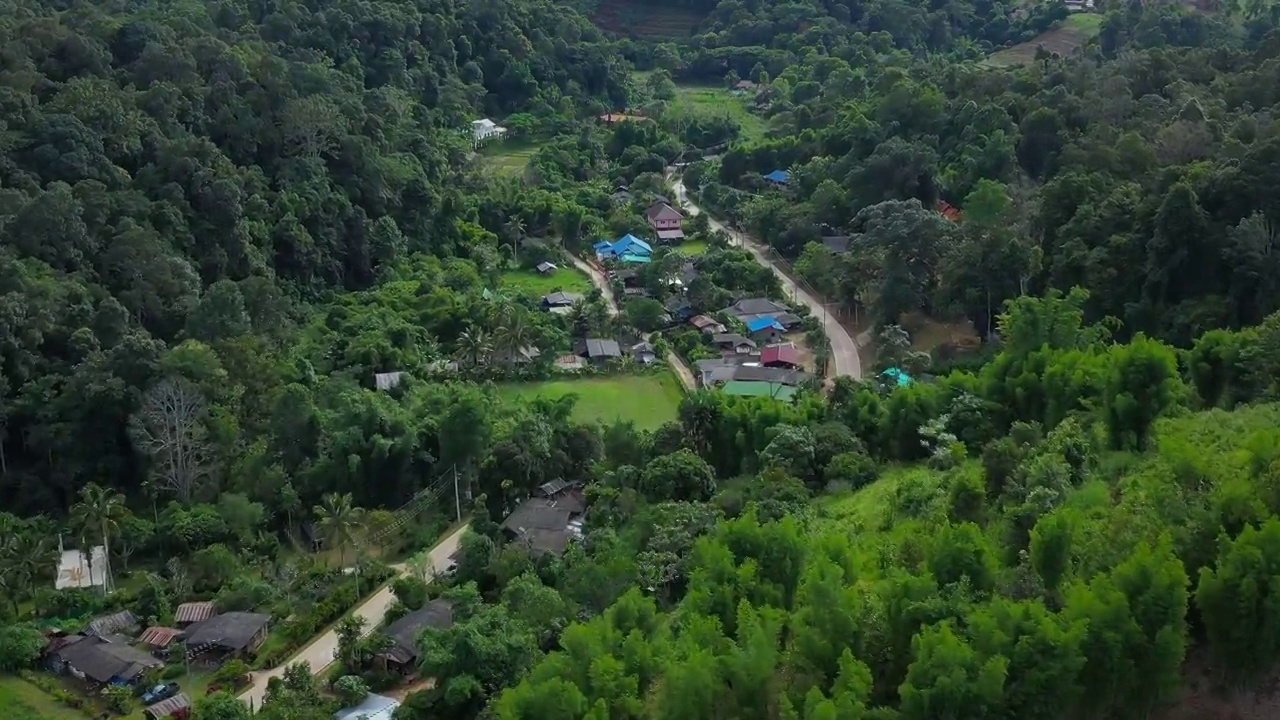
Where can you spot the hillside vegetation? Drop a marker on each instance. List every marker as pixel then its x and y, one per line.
pixel 271 320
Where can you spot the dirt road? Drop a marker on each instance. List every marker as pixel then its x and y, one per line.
pixel 606 288
pixel 320 651
pixel 844 350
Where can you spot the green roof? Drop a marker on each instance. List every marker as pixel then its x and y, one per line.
pixel 759 388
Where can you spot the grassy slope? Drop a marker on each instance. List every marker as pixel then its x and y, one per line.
pixel 715 100
pixel 21 700
pixel 646 400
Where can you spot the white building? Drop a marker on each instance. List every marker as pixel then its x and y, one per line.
pixel 482 131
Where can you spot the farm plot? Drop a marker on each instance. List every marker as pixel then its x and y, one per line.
pixel 646 400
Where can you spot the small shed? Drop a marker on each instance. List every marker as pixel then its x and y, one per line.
pixel 387 381
pixel 546 268
pixel 779 178
pixel 643 353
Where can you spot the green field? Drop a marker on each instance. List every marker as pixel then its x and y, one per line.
pixel 1063 40
pixel 532 282
pixel 23 701
pixel 508 157
pixel 646 400
pixel 708 100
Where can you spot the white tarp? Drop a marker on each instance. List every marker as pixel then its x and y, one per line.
pixel 74 569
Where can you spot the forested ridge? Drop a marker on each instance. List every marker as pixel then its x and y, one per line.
pixel 261 287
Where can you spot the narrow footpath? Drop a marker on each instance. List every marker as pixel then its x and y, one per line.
pixel 321 651
pixel 606 289
pixel 844 349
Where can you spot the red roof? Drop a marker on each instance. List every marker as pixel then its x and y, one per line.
pixel 780 354
pixel 194 612
pixel 949 211
pixel 159 636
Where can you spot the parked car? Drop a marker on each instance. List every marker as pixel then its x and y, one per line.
pixel 159 692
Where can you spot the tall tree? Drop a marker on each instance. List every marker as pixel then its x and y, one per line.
pixel 170 430
pixel 99 514
pixel 339 522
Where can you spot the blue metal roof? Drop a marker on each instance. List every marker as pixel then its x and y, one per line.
pixel 760 323
pixel 629 243
pixel 780 176
pixel 603 245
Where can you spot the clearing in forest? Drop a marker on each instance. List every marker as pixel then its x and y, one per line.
pixel 24 701
pixel 645 20
pixel 646 400
pixel 508 157
pixel 713 100
pixel 532 282
pixel 1063 40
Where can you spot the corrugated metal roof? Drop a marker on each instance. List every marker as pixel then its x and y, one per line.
pixel 165 708
pixel 193 612
pixel 159 636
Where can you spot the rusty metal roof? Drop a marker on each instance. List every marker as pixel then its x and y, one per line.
pixel 194 612
pixel 159 636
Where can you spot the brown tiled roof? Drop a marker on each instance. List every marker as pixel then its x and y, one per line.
pixel 194 612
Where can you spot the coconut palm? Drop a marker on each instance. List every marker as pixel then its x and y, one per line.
pixel 339 522
pixel 99 513
pixel 474 346
pixel 514 336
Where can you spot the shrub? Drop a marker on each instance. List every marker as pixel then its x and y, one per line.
pixel 232 672
pixel 172 671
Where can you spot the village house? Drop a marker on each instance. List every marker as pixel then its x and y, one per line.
pixel 547 268
pixel 233 634
pixel 765 329
pixel 98 660
pixel 559 301
pixel 744 86
pixel 755 306
pixel 781 356
pixel 643 353
pixel 665 221
pixel 628 249
pixel 778 178
pixel 485 130
pixel 548 523
pixel 734 343
pixel 600 351
pixel 706 324
pixel 402 656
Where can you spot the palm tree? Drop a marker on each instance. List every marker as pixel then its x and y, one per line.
pixel 514 335
pixel 99 511
pixel 474 346
pixel 339 522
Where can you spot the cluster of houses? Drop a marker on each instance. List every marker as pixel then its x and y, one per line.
pixel 116 650
pixel 759 364
pixel 665 222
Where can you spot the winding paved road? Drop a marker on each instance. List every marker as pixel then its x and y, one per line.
pixel 320 651
pixel 844 350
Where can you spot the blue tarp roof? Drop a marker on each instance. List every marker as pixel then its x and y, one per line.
pixel 778 176
pixel 603 245
pixel 760 323
pixel 897 375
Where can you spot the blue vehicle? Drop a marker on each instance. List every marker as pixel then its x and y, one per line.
pixel 159 692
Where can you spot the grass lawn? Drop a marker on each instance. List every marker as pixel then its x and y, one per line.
pixel 508 157
pixel 646 400
pixel 23 701
pixel 697 247
pixel 532 282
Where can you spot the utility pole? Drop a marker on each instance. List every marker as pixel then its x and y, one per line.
pixel 457 495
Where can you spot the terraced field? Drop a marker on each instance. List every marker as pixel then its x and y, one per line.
pixel 644 20
pixel 1063 40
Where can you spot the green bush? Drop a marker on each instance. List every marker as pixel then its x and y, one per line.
pixel 172 671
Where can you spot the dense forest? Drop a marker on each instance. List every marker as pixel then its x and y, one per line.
pixel 257 298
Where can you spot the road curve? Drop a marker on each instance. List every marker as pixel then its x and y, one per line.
pixel 321 650
pixel 844 350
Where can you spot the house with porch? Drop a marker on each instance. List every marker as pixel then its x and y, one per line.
pixel 233 634
pixel 98 660
pixel 665 221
